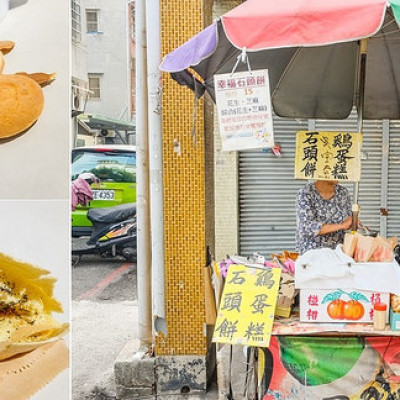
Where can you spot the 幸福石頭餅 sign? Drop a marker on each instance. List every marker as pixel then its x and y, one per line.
pixel 244 110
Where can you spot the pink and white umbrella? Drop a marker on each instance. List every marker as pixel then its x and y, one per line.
pixel 323 57
pixel 312 51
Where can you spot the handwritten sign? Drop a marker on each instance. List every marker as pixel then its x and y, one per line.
pixel 328 155
pixel 246 311
pixel 244 110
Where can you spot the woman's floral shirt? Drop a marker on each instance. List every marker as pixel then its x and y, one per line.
pixel 312 211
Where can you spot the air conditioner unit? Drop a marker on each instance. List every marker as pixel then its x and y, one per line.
pixel 78 100
pixel 106 133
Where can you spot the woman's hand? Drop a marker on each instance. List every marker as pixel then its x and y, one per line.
pixel 343 226
pixel 347 223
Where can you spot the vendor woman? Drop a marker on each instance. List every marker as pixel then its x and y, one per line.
pixel 323 213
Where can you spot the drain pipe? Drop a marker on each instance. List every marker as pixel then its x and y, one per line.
pixel 155 156
pixel 142 187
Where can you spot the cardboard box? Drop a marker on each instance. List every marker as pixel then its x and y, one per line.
pixel 286 296
pixel 282 311
pixel 340 305
pixel 394 320
pixel 287 291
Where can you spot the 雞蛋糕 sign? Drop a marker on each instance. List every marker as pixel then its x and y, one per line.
pixel 244 110
pixel 247 308
pixel 328 155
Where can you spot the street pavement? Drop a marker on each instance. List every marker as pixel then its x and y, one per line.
pixel 104 319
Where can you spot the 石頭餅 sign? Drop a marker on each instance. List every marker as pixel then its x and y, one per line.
pixel 328 155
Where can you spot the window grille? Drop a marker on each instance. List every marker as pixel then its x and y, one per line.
pixel 76 24
pixel 94 85
pixel 92 21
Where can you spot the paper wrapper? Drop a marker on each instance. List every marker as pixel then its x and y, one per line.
pixel 22 376
pixel 383 249
pixel 378 249
pixel 364 248
pixel 349 244
pixel 11 349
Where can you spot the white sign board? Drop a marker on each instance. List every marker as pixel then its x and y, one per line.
pixel 340 305
pixel 244 110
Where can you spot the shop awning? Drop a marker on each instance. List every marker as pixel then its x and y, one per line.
pixel 99 122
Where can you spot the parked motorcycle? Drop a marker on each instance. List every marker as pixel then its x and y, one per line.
pixel 114 233
pixel 114 228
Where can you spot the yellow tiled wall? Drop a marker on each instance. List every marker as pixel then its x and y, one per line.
pixel 185 194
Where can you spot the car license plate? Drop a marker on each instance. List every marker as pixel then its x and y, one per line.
pixel 103 194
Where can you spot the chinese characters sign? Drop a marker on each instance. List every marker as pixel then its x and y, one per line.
pixel 328 155
pixel 244 110
pixel 246 312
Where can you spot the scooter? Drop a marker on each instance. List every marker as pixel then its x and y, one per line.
pixel 114 233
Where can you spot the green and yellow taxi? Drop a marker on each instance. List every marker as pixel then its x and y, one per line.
pixel 115 166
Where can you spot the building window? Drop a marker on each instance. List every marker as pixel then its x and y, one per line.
pixel 92 21
pixel 94 85
pixel 76 21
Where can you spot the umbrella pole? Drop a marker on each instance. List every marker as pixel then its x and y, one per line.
pixel 360 121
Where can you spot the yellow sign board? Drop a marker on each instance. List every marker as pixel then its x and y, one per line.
pixel 328 155
pixel 247 308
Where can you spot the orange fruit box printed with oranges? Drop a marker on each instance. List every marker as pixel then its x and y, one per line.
pixel 350 305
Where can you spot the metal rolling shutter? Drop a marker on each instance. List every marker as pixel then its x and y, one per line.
pixel 393 220
pixel 267 189
pixel 267 192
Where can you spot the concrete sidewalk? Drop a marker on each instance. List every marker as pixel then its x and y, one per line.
pixel 103 336
pixel 100 330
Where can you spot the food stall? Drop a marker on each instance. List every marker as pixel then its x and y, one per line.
pixel 330 347
pixel 330 343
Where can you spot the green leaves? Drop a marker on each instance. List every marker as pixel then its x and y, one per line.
pixel 358 296
pixel 337 294
pixel 332 296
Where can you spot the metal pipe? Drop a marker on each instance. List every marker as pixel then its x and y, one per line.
pixel 384 177
pixel 360 120
pixel 142 186
pixel 155 157
pixel 129 39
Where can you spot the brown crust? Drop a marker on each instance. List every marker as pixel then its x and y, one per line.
pixel 21 102
pixel 40 78
pixel 6 46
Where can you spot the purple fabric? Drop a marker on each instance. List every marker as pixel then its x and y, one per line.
pixel 192 52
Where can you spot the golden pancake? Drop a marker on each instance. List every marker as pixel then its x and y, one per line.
pixel 21 103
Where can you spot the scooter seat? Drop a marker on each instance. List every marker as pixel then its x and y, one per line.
pixel 109 215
